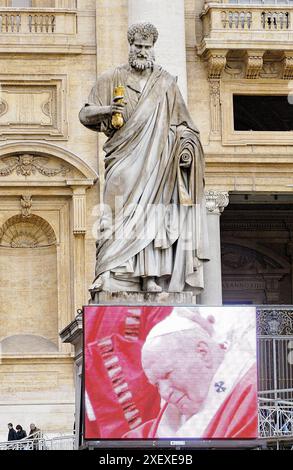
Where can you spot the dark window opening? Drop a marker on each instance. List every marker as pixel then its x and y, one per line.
pixel 262 113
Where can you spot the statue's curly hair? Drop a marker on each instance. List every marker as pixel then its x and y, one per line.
pixel 144 29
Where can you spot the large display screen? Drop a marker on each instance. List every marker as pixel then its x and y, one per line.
pixel 154 372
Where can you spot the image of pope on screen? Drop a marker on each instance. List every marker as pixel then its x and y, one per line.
pixel 199 367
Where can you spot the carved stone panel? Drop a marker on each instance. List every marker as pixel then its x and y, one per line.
pixel 32 107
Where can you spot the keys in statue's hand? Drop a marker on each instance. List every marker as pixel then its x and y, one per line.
pixel 118 105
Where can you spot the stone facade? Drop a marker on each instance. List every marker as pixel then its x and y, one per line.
pixel 50 54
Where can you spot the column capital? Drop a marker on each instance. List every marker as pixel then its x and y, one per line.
pixel 216 201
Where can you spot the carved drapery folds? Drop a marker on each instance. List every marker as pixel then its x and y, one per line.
pixel 29 232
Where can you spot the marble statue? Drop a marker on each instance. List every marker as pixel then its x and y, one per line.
pixel 153 234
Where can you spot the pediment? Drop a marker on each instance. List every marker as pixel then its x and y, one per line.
pixel 42 163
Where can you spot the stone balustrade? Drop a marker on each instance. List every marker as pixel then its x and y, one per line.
pixel 246 26
pixel 37 22
pixel 255 20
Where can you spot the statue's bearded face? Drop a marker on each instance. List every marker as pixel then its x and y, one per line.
pixel 141 55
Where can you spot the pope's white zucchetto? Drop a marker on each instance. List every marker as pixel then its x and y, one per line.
pixel 182 319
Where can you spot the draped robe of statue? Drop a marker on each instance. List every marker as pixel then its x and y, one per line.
pixel 154 222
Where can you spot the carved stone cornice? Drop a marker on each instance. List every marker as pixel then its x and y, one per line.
pixel 287 66
pixel 216 201
pixel 216 63
pixel 254 63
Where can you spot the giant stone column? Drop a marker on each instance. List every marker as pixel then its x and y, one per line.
pixel 216 202
pixel 168 16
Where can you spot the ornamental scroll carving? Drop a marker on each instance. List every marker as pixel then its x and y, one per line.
pixel 3 107
pixel 27 165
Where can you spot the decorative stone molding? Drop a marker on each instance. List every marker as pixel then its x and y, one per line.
pixel 28 164
pixel 79 210
pixel 216 63
pixel 234 69
pixel 245 26
pixel 45 21
pixel 254 63
pixel 287 66
pixel 3 107
pixel 26 205
pixel 216 201
pixel 33 107
pixel 30 232
pixel 272 287
pixel 243 284
pixel 79 172
pixel 253 225
pixel 275 322
pixel 215 108
pixel 271 69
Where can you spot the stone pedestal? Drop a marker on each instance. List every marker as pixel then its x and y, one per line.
pixel 146 298
pixel 212 294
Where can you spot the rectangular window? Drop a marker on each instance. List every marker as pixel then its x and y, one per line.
pixel 270 113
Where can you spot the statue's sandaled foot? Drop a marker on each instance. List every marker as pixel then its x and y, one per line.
pixel 150 285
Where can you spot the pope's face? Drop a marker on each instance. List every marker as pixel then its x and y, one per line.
pixel 181 368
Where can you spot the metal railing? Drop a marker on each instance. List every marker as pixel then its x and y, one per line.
pixel 38 442
pixel 275 414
